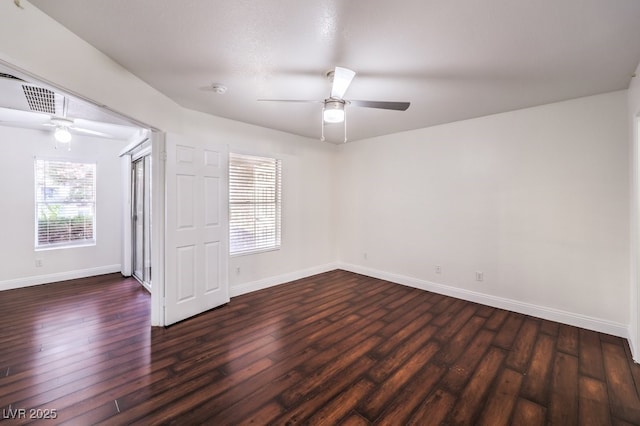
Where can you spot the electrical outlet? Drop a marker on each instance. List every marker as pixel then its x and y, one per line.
pixel 365 256
pixel 438 269
pixel 38 263
pixel 479 276
pixel 238 270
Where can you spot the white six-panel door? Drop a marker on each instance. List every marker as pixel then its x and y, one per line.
pixel 196 237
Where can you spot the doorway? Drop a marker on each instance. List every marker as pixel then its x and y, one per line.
pixel 141 219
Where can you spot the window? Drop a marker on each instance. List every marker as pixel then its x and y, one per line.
pixel 65 203
pixel 254 203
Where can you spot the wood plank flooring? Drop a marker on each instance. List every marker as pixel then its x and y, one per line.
pixel 336 348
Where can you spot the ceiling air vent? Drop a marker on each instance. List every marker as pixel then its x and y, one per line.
pixel 40 99
pixel 13 77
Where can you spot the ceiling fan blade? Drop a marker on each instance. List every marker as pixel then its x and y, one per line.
pixel 23 125
pixel 102 129
pixel 341 80
pixel 397 106
pixel 16 115
pixel 290 100
pixel 89 132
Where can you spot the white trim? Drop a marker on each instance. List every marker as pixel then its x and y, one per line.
pixel 570 318
pixel 66 245
pixel 634 353
pixel 58 276
pixel 158 224
pixel 255 251
pixel 137 144
pixel 127 232
pixel 280 279
pixel 634 253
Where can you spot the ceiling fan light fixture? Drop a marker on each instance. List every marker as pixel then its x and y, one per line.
pixel 333 112
pixel 62 134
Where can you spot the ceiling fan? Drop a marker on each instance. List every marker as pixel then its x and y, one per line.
pixel 334 107
pixel 62 126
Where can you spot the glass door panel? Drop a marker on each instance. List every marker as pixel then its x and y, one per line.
pixel 141 219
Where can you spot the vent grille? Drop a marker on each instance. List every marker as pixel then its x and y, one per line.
pixel 13 77
pixel 40 99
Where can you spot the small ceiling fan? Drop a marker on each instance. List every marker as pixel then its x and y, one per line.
pixel 334 107
pixel 63 127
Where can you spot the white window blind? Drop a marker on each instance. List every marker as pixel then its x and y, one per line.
pixel 65 203
pixel 254 203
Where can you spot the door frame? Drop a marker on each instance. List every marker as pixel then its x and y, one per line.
pixel 634 325
pixel 135 150
pixel 158 160
pixel 129 154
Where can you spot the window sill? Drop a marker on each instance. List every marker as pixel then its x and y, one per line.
pixel 65 246
pixel 247 253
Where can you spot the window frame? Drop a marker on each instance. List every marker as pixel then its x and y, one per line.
pixel 277 189
pixel 85 242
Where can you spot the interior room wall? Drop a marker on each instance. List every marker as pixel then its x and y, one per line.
pixel 633 96
pixel 536 199
pixel 308 193
pixel 18 148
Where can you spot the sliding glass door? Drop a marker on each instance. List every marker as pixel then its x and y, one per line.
pixel 141 219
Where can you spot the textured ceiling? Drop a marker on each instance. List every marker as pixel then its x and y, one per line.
pixel 452 59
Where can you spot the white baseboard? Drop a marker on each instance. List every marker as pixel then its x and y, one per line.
pixel 58 276
pixel 280 279
pixel 552 314
pixel 632 346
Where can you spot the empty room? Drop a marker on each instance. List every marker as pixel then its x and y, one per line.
pixel 333 212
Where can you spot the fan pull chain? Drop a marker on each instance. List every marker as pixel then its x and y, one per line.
pixel 344 123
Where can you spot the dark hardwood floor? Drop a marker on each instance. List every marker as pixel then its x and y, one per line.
pixel 336 348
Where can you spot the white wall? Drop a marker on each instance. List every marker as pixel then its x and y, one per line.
pixel 308 193
pixel 30 41
pixel 18 147
pixel 536 199
pixel 634 120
